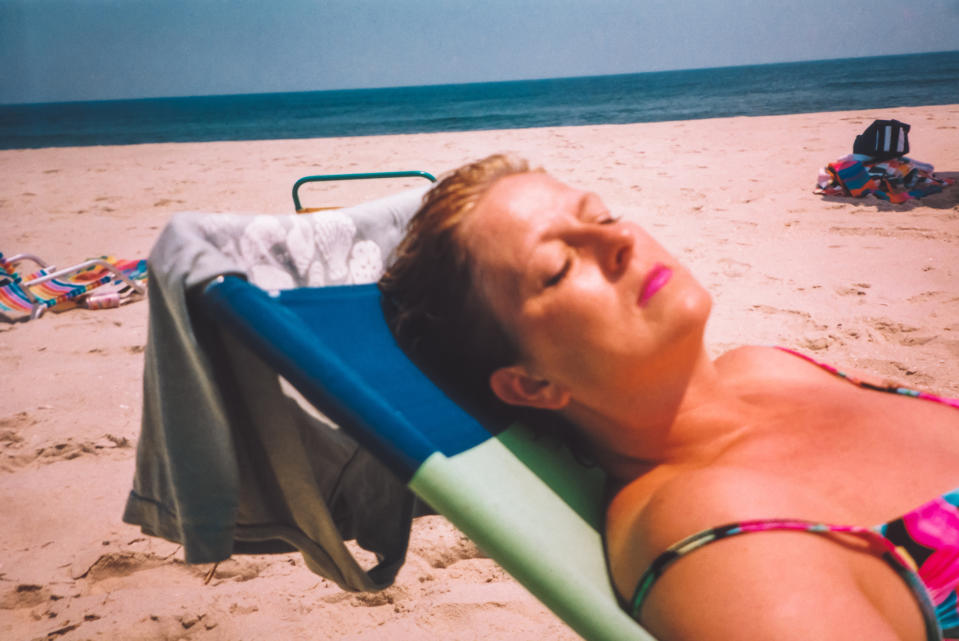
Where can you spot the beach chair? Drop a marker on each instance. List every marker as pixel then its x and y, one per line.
pixel 26 297
pixel 524 500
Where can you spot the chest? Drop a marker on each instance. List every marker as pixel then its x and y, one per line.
pixel 870 456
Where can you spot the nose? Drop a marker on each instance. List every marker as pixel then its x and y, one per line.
pixel 619 249
pixel 613 246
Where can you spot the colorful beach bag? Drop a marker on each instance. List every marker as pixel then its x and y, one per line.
pixel 883 139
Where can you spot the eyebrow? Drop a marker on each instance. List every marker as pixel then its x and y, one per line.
pixel 579 212
pixel 582 204
pixel 585 200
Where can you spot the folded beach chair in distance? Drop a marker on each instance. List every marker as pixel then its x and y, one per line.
pixel 26 297
pixel 524 500
pixel 358 176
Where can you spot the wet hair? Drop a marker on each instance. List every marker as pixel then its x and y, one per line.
pixel 431 301
pixel 436 312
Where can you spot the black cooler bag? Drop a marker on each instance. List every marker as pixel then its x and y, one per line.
pixel 883 139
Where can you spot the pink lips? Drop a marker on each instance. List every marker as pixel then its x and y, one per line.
pixel 658 276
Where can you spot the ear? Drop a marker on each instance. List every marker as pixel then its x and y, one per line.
pixel 516 386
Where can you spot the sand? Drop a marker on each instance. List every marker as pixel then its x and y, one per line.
pixel 860 283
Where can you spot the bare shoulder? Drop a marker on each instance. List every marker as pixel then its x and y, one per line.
pixel 783 363
pixel 748 355
pixel 643 522
pixel 772 582
pixel 763 359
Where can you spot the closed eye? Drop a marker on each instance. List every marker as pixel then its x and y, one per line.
pixel 558 276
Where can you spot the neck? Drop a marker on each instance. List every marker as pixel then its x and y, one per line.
pixel 679 416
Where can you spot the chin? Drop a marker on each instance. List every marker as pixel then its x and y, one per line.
pixel 689 311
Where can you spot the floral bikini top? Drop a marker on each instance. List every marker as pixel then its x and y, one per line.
pixel 922 546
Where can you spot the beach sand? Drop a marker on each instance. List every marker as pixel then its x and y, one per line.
pixel 859 283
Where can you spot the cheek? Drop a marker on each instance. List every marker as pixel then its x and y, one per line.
pixel 575 340
pixel 565 318
pixel 550 339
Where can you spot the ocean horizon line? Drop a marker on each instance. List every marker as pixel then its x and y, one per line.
pixel 451 85
pixel 841 84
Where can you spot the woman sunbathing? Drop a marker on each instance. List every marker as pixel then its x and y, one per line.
pixel 803 501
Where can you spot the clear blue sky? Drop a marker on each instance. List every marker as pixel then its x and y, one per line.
pixel 62 50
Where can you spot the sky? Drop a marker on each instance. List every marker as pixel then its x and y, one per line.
pixel 69 50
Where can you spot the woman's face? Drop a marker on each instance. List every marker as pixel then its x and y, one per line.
pixel 594 303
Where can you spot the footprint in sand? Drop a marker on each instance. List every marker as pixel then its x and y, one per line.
pixel 25 595
pixel 732 268
pixel 814 343
pixel 18 421
pixel 900 332
pixel 10 444
pixel 856 289
pixel 114 565
pixel 796 314
pixel 66 450
pixel 154 626
pixel 936 296
pixel 857 231
pixel 163 202
pixel 899 373
pixel 238 570
pixel 811 335
pixel 390 596
pixel 194 621
pixel 11 440
pixel 446 545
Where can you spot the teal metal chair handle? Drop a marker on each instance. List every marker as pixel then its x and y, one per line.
pixel 376 174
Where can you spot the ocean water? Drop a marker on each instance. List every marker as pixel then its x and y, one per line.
pixel 800 87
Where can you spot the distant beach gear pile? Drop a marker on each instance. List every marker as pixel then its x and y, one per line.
pixel 879 166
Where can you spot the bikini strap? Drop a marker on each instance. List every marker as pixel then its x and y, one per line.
pixel 890 388
pixel 878 544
